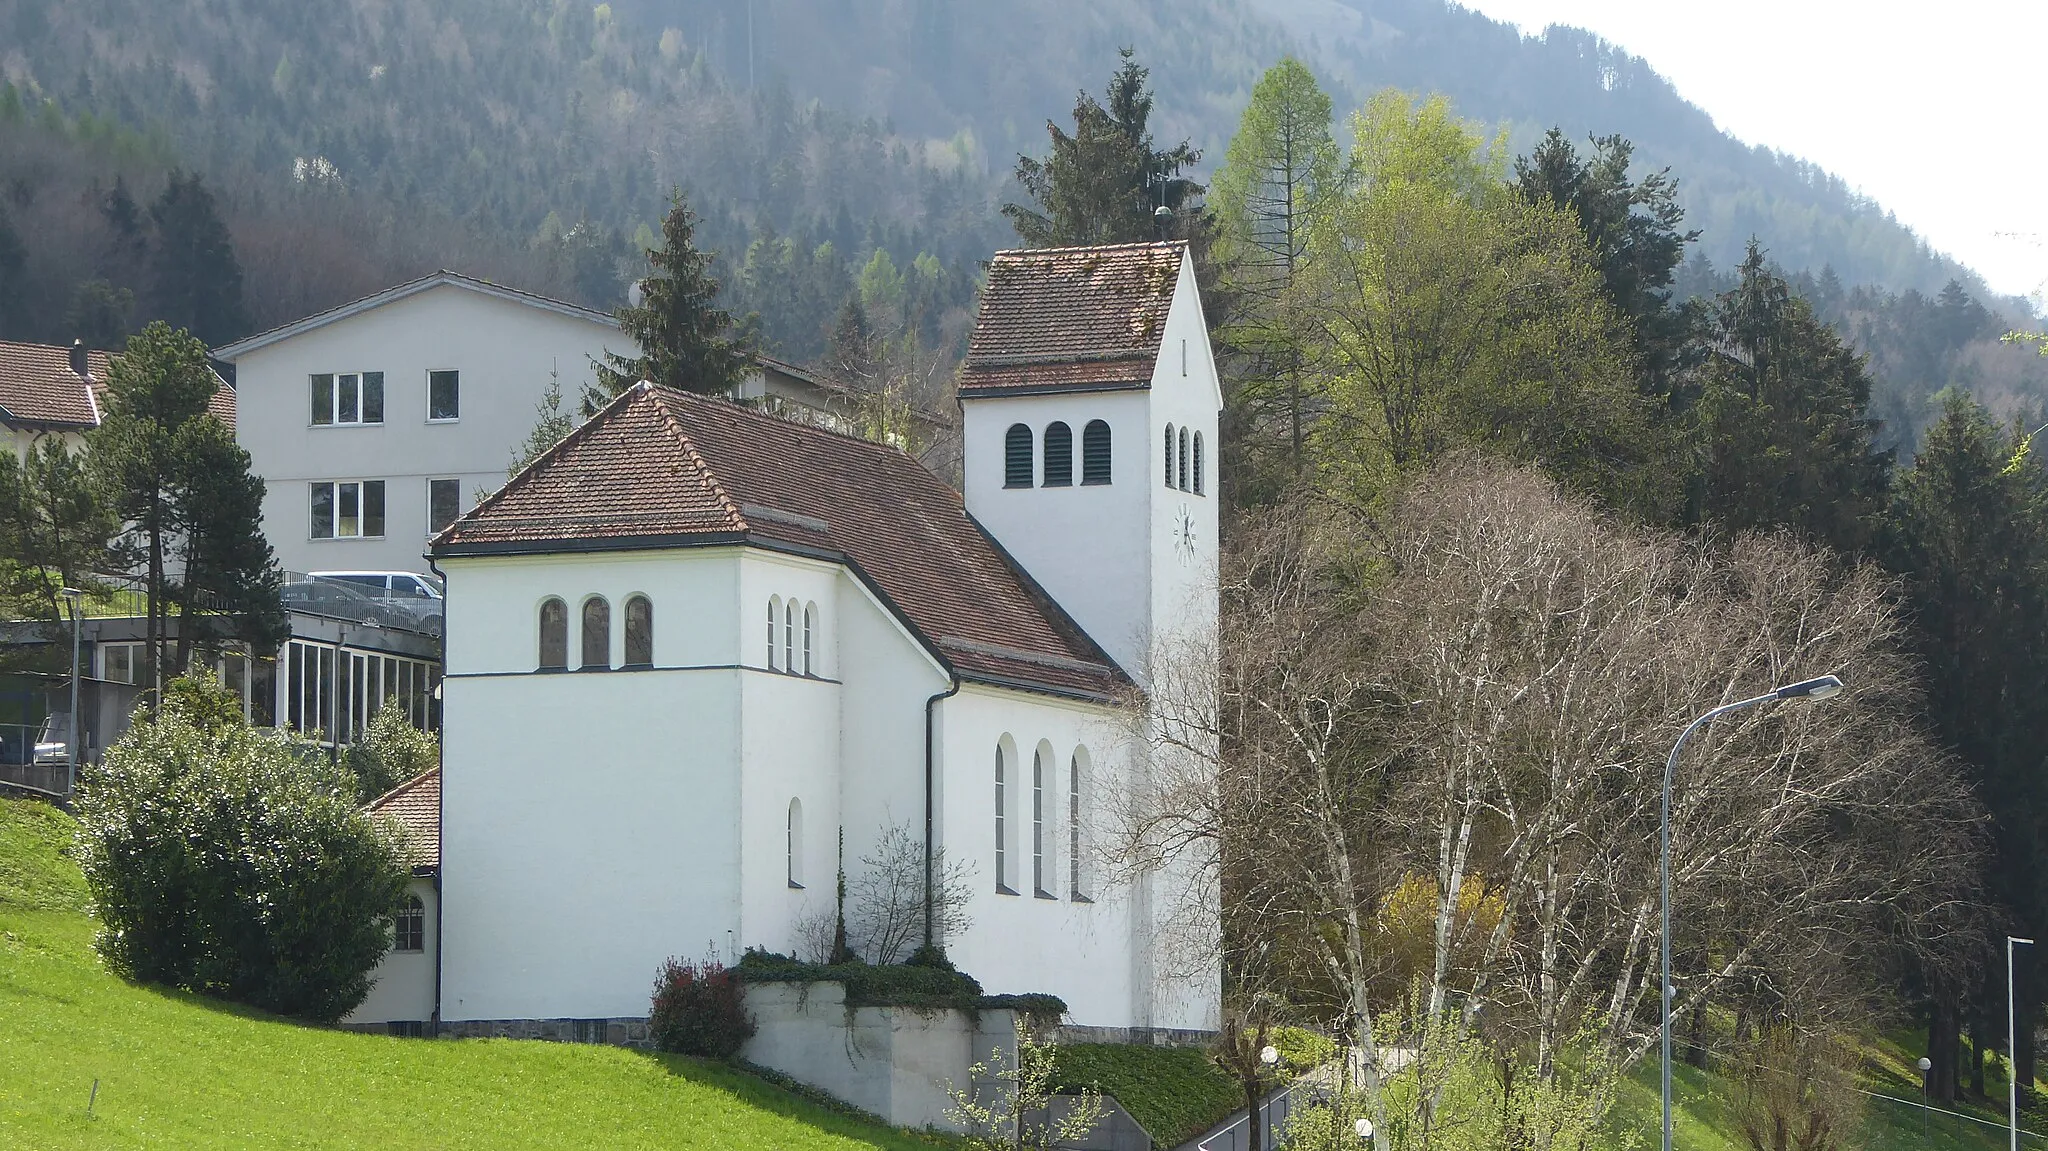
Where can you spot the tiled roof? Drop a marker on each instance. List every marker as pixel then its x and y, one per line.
pixel 38 388
pixel 416 806
pixel 1072 318
pixel 660 468
pixel 37 385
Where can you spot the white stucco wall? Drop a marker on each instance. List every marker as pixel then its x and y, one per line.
pixel 591 820
pixel 403 984
pixel 504 351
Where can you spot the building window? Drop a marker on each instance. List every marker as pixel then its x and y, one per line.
pixel 639 631
pixel 597 633
pixel 1198 463
pixel 348 398
pixel 1183 459
pixel 554 635
pixel 774 611
pixel 810 632
pixel 347 509
pixel 1002 824
pixel 789 663
pixel 444 395
pixel 794 844
pixel 122 662
pixel 1095 453
pixel 444 504
pixel 1017 457
pixel 1169 455
pixel 1074 828
pixel 409 926
pixel 1059 455
pixel 1038 865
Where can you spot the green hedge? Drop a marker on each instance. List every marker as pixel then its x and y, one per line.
pixel 1174 1093
pixel 896 985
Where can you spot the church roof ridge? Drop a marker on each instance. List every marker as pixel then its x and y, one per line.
pixel 732 474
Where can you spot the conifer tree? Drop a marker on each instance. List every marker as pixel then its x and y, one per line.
pixel 1103 183
pixel 197 278
pixel 686 340
pixel 1784 420
pixel 184 493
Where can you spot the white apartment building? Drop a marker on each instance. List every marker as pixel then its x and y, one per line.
pixel 377 423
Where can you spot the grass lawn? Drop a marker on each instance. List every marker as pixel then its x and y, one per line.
pixel 1174 1093
pixel 178 1071
pixel 1703 1117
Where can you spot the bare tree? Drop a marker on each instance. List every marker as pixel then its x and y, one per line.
pixel 885 900
pixel 1474 697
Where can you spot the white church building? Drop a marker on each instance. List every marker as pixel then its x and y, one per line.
pixel 696 643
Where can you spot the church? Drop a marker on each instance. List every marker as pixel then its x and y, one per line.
pixel 700 657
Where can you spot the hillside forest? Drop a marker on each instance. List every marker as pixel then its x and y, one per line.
pixel 1525 469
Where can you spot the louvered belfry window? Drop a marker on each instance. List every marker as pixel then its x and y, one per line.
pixel 1095 453
pixel 1017 457
pixel 1059 455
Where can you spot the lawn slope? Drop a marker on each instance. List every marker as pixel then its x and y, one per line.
pixel 178 1071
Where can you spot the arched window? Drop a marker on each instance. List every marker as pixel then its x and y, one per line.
pixel 1183 459
pixel 1095 453
pixel 1059 455
pixel 794 844
pixel 774 614
pixel 639 631
pixel 1038 864
pixel 554 635
pixel 597 633
pixel 1198 463
pixel 789 663
pixel 409 926
pixel 1002 824
pixel 1169 455
pixel 1017 457
pixel 1074 888
pixel 810 641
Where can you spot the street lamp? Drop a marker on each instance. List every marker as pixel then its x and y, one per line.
pixel 72 599
pixel 1364 1129
pixel 1270 1056
pixel 1822 688
pixel 2012 1050
pixel 1926 1065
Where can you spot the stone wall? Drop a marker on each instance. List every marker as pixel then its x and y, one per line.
pixel 898 1063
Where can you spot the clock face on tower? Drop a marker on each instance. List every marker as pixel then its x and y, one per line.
pixel 1184 535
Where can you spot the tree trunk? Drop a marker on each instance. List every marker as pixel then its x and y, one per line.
pixel 1251 1114
pixel 1977 1054
pixel 1943 1041
pixel 1696 1037
pixel 2023 1054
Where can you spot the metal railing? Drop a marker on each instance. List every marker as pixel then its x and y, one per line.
pixel 33 756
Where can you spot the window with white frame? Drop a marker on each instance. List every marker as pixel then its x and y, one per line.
pixel 1076 889
pixel 789 664
pixel 347 509
pixel 810 633
pixel 1002 823
pixel 444 395
pixel 444 504
pixel 774 614
pixel 121 662
pixel 348 398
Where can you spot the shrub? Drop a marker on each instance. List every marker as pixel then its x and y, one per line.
pixel 699 1009
pixel 390 752
pixel 898 985
pixel 234 862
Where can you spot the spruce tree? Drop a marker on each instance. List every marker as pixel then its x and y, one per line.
pixel 1103 183
pixel 687 342
pixel 1784 420
pixel 197 278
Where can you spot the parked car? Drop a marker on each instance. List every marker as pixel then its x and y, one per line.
pixel 343 601
pixel 418 596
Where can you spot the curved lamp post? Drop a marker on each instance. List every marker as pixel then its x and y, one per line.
pixel 1821 688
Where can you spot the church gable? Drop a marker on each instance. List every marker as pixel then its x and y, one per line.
pixel 1072 319
pixel 659 468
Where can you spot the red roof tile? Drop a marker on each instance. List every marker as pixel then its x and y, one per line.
pixel 1069 318
pixel 660 468
pixel 416 806
pixel 38 387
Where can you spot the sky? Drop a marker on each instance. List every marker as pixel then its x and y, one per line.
pixel 1934 110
